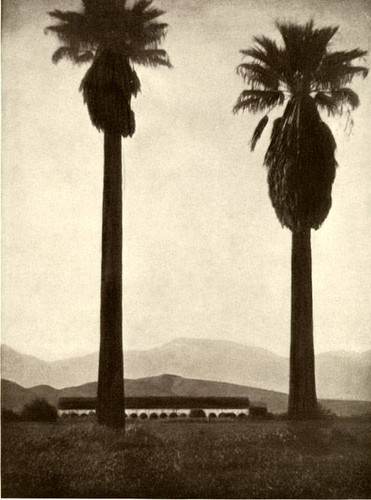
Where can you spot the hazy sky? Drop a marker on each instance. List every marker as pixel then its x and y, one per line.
pixel 204 253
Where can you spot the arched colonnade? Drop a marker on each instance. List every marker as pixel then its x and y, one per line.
pixel 156 413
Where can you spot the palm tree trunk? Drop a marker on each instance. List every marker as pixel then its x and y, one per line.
pixel 110 405
pixel 302 394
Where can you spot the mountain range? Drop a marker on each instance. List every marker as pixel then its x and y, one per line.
pixel 339 375
pixel 14 396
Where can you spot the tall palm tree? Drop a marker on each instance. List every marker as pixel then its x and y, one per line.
pixel 113 37
pixel 307 77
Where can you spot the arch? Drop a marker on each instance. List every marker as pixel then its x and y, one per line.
pixel 143 416
pixel 212 415
pixel 153 416
pixel 182 415
pixel 133 415
pixel 163 415
pixel 173 415
pixel 222 415
pixel 242 415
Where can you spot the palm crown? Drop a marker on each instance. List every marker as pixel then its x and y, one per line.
pixel 306 75
pixel 114 37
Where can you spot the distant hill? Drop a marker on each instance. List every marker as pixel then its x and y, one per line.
pixel 30 371
pixel 340 375
pixel 14 397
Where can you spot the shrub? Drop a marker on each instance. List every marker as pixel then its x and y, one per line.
pixel 281 416
pixel 39 410
pixel 325 413
pixel 9 415
pixel 197 413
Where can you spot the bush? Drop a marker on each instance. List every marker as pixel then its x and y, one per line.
pixel 197 413
pixel 325 413
pixel 9 416
pixel 39 410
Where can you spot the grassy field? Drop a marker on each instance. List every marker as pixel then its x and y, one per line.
pixel 191 459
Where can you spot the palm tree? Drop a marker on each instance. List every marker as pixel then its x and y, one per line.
pixel 113 37
pixel 306 76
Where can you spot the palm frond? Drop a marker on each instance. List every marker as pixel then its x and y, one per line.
pixel 335 101
pixel 151 14
pixel 258 100
pixel 111 26
pixel 267 53
pixel 143 36
pixel 74 36
pixel 73 26
pixel 155 32
pixel 99 5
pixel 339 58
pixel 64 53
pixel 141 5
pixel 258 132
pixel 256 53
pixel 135 85
pixel 326 102
pixel 151 57
pixel 332 76
pixel 69 17
pixel 257 74
pixel 272 51
pixel 72 54
pixel 305 46
pixel 85 57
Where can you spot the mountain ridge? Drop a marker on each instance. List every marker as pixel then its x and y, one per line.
pixel 182 340
pixel 14 396
pixel 340 375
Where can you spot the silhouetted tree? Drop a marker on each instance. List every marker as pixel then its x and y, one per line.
pixel 9 415
pixel 39 410
pixel 306 76
pixel 113 36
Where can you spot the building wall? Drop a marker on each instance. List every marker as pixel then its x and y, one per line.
pixel 158 412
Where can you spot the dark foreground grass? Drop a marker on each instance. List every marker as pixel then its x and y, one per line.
pixel 190 459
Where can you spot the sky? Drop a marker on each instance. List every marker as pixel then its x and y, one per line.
pixel 204 255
